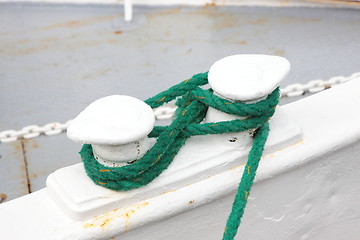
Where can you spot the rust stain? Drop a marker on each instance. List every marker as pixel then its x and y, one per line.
pixel 103 221
pixel 118 32
pixel 169 11
pixel 49 39
pixel 291 20
pixel 242 42
pixel 191 202
pixel 3 197
pixel 78 23
pixel 167 192
pixel 34 175
pixel 113 41
pixel 98 73
pixel 210 4
pixel 279 52
pixel 35 144
pixel 17 146
pixel 258 21
pixel 283 3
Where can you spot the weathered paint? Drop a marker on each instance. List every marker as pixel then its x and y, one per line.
pixel 13 173
pixel 103 221
pixel 45 154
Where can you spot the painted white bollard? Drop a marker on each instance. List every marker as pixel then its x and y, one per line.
pixel 246 78
pixel 117 127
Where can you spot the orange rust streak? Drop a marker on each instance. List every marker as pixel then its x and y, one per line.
pixel 200 97
pixel 103 221
pixel 79 23
pixel 104 170
pixel 213 125
pixel 228 103
pixel 186 80
pixel 102 183
pixel 183 113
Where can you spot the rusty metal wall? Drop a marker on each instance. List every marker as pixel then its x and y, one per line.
pixel 56 59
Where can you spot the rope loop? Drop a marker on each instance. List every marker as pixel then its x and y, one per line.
pixel 193 103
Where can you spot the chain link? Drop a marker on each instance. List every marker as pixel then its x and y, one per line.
pixel 168 111
pixel 295 90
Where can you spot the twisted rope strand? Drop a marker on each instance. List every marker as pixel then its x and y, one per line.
pixel 193 103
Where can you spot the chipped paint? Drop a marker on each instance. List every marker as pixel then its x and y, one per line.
pixel 103 221
pixel 3 197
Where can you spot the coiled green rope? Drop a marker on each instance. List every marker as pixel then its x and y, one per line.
pixel 192 107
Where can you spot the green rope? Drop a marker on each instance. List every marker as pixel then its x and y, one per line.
pixel 192 102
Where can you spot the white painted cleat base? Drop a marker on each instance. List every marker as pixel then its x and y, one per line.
pixel 75 193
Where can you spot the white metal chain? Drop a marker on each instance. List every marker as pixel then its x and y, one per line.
pixel 168 111
pixel 315 86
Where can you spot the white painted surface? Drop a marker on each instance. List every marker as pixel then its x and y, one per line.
pixel 117 127
pixel 199 159
pixel 305 191
pixel 247 77
pixel 112 120
pixel 120 155
pixel 128 11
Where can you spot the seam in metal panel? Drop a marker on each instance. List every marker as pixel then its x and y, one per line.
pixel 26 166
